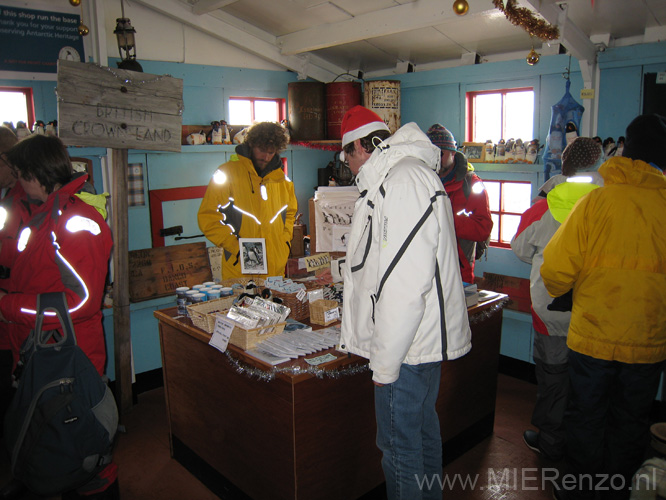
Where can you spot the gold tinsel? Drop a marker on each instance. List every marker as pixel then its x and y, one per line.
pixel 520 16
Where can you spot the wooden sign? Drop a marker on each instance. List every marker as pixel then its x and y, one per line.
pixel 115 108
pixel 157 272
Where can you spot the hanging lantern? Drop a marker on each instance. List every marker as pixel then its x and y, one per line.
pixel 126 44
pixel 533 57
pixel 460 7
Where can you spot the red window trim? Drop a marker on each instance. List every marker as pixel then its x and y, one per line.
pixel 469 106
pixel 281 104
pixel 498 243
pixel 157 196
pixel 29 102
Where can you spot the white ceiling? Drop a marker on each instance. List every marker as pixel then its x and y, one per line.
pixel 321 39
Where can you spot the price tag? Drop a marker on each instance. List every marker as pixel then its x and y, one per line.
pixel 221 332
pixel 300 295
pixel 587 93
pixel 331 315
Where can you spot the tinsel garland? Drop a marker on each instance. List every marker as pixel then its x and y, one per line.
pixel 317 145
pixel 266 376
pixel 523 17
pixel 487 313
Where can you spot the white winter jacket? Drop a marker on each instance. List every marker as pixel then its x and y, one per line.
pixel 404 300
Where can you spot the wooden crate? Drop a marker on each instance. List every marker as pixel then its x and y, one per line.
pixel 157 272
pixel 203 316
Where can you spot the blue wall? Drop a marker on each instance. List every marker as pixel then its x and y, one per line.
pixel 426 98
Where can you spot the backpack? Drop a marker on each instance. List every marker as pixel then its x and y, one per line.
pixel 60 426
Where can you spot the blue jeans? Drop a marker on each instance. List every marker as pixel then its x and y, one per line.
pixel 408 433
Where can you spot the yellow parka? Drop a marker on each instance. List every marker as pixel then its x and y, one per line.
pixel 239 203
pixel 612 251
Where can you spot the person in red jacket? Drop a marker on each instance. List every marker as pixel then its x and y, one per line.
pixel 64 246
pixel 469 199
pixel 7 182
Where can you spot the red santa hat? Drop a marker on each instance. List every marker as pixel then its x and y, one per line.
pixel 359 122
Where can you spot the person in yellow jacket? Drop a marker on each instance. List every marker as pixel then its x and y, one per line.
pixel 251 197
pixel 612 251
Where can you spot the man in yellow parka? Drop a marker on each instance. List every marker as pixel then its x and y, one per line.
pixel 612 251
pixel 251 197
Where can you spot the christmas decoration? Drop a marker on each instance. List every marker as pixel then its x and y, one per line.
pixel 83 29
pixel 317 145
pixel 75 3
pixel 460 7
pixel 523 17
pixel 533 57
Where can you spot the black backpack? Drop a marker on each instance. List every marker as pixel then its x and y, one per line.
pixel 61 423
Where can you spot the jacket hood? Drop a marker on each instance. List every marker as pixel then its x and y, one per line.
pixel 622 170
pixel 244 149
pixel 563 197
pixel 408 142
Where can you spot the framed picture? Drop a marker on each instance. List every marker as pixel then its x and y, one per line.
pixel 253 255
pixel 83 165
pixel 475 151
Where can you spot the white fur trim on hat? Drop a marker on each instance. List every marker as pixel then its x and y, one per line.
pixel 362 131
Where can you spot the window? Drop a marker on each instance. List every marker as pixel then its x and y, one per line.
pixel 500 114
pixel 508 200
pixel 247 110
pixel 16 105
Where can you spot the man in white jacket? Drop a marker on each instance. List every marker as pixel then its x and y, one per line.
pixel 404 305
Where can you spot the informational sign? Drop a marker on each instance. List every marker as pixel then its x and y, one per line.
pixel 115 108
pixel 34 40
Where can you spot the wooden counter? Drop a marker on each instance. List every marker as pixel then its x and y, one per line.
pixel 299 436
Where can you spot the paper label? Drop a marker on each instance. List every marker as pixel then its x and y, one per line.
pixel 318 261
pixel 221 332
pixel 301 294
pixel 331 315
pixel 587 93
pixel 321 359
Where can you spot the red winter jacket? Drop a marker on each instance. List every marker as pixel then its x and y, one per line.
pixel 68 250
pixel 471 213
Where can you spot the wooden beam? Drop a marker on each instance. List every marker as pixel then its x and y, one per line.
pixel 317 68
pixel 122 338
pixel 571 36
pixel 206 6
pixel 398 19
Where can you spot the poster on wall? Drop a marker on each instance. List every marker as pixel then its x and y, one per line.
pixel 33 40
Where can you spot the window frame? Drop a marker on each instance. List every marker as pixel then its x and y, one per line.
pixel 29 101
pixel 279 101
pixel 470 107
pixel 497 243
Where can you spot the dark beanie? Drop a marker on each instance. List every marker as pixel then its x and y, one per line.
pixel 645 138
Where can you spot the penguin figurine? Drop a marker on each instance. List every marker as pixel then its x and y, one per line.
pixel 214 136
pixel 52 128
pixel 571 132
pixel 39 128
pixel 22 130
pixel 226 132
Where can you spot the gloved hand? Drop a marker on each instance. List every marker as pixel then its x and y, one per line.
pixel 562 303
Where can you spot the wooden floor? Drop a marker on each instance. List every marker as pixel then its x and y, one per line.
pixel 500 467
